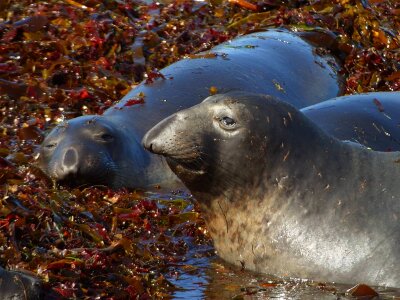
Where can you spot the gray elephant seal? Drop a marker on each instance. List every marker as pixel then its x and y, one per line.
pixel 281 196
pixel 370 119
pixel 106 149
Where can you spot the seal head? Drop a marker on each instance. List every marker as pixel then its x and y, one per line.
pixel 213 143
pixel 89 150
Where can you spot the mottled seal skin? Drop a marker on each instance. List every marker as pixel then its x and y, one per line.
pixel 371 119
pixel 19 285
pixel 281 196
pixel 106 149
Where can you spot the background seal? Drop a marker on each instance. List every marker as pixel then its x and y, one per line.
pixel 106 149
pixel 371 119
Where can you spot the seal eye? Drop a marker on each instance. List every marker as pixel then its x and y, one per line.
pixel 227 123
pixel 106 137
pixel 50 146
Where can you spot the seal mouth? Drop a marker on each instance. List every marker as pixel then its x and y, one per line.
pixel 82 178
pixel 181 166
pixel 75 181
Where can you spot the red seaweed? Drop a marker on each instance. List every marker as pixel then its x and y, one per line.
pixel 62 59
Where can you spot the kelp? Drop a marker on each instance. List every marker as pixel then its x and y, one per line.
pixel 62 59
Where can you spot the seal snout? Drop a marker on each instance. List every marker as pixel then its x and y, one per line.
pixel 68 165
pixel 70 158
pixel 154 140
pixel 152 143
pixel 65 169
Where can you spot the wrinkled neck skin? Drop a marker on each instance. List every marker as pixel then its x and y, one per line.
pixel 139 168
pixel 315 211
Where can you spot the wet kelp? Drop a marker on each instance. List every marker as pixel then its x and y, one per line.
pixel 61 59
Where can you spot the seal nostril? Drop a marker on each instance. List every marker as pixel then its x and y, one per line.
pixel 70 158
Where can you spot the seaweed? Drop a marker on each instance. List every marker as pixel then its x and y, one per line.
pixel 62 59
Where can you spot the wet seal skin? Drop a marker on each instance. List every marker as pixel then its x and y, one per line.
pixel 106 149
pixel 19 285
pixel 371 119
pixel 280 195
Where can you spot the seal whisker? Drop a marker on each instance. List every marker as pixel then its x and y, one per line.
pixel 187 149
pixel 225 218
pixel 185 156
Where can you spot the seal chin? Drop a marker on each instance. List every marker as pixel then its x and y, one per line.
pixel 93 170
pixel 76 180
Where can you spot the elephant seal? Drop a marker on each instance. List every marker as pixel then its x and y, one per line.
pixel 281 196
pixel 371 119
pixel 106 149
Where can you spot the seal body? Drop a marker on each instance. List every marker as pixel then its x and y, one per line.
pixel 105 149
pixel 20 285
pixel 371 119
pixel 281 196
